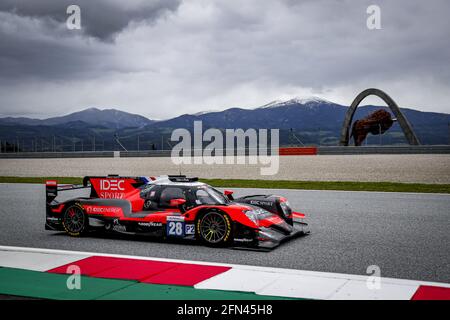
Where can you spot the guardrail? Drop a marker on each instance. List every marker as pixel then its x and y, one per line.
pixel 49 155
pixel 338 150
pixel 284 151
pixel 150 153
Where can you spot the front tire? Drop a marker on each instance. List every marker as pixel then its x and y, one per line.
pixel 75 220
pixel 214 229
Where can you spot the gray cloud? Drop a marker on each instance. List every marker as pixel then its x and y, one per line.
pixel 164 58
pixel 100 18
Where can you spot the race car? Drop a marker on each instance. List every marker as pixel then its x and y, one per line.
pixel 172 207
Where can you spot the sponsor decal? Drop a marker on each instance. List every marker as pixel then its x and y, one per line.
pixel 118 227
pixel 52 219
pixel 261 203
pixel 175 218
pixel 150 224
pixel 100 209
pixel 112 188
pixel 242 240
pixel 147 204
pixel 189 229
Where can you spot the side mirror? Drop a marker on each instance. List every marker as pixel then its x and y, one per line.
pixel 229 194
pixel 177 202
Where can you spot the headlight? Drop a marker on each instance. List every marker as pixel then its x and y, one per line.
pixel 286 208
pixel 252 215
pixel 258 214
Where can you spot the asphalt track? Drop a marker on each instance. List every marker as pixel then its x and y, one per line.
pixel 406 235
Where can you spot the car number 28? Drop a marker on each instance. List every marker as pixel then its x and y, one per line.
pixel 178 228
pixel 175 228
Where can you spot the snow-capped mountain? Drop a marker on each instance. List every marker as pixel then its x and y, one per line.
pixel 312 112
pixel 312 115
pixel 308 101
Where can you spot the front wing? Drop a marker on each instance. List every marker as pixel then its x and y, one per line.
pixel 266 239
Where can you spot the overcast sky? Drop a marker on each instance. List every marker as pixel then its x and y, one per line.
pixel 169 57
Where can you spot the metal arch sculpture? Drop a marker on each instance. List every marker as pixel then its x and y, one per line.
pixel 404 124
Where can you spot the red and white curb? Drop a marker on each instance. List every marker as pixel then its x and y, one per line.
pixel 219 276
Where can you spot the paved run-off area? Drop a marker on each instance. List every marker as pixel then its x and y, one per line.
pixel 391 168
pixel 406 235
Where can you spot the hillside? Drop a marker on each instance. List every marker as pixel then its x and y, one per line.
pixel 312 121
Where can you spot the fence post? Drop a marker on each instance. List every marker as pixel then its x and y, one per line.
pixel 320 136
pixel 449 133
pixel 379 131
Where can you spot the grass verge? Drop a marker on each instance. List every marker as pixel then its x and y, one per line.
pixel 279 184
pixel 332 185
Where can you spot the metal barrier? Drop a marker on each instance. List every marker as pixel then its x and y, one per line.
pixel 152 153
pixel 422 149
pixel 49 155
pixel 288 151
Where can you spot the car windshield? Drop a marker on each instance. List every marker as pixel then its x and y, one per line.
pixel 208 195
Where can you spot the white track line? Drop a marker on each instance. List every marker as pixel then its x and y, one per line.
pixel 36 261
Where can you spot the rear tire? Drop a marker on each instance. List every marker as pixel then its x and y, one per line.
pixel 75 220
pixel 214 229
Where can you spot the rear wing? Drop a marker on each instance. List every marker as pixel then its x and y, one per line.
pixel 52 188
pixel 109 187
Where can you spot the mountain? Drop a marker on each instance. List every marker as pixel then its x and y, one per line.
pixel 312 121
pixel 93 116
pixel 312 113
pixel 20 121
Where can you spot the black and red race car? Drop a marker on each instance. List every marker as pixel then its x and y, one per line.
pixel 172 206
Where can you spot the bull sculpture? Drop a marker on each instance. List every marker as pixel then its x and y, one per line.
pixel 378 122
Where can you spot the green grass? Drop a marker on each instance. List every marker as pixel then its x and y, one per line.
pixel 332 185
pixel 279 184
pixel 67 180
